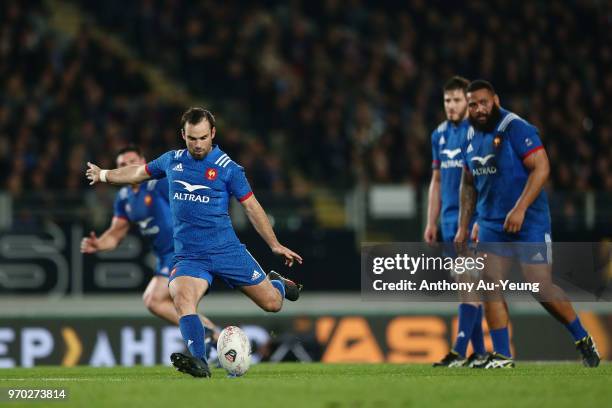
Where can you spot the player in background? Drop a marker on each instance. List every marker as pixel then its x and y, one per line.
pixel 146 205
pixel 506 168
pixel 202 179
pixel 443 203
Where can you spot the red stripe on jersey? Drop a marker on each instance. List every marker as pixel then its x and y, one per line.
pixel 147 169
pixel 246 196
pixel 122 217
pixel 529 152
pixel 435 164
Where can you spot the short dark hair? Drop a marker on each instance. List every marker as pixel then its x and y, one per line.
pixel 479 84
pixel 128 149
pixel 195 115
pixel 456 82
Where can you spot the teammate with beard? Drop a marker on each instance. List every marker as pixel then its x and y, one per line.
pixel 505 168
pixel 443 202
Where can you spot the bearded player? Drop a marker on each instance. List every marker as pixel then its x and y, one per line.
pixel 505 169
pixel 443 203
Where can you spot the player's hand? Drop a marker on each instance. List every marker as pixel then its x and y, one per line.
pixel 92 173
pixel 431 232
pixel 289 255
pixel 514 220
pixel 461 240
pixel 90 244
pixel 475 231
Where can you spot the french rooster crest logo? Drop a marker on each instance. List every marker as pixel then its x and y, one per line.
pixel 211 174
pixel 497 141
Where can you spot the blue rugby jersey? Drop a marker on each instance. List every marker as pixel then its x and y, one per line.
pixel 200 192
pixel 150 209
pixel 495 159
pixel 446 142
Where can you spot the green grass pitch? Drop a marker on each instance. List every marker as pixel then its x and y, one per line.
pixel 289 385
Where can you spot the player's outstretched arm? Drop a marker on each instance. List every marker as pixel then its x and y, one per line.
pixel 134 174
pixel 539 168
pixel 108 240
pixel 259 219
pixel 467 204
pixel 433 208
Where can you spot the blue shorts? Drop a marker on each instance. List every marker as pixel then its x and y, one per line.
pixel 236 268
pixel 164 264
pixel 528 246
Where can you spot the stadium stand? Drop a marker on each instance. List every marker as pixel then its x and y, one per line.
pixel 357 81
pixel 341 92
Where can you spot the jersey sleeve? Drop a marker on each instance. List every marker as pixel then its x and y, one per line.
pixel 435 150
pixel 239 185
pixel 119 207
pixel 157 168
pixel 524 138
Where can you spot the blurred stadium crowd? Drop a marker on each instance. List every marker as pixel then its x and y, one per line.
pixel 323 93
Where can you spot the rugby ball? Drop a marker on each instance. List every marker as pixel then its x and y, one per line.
pixel 234 351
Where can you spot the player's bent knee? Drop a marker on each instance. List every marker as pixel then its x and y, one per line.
pixel 152 302
pixel 273 305
pixel 148 300
pixel 156 294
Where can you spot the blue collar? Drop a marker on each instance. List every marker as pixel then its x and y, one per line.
pixel 214 154
pixel 465 123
